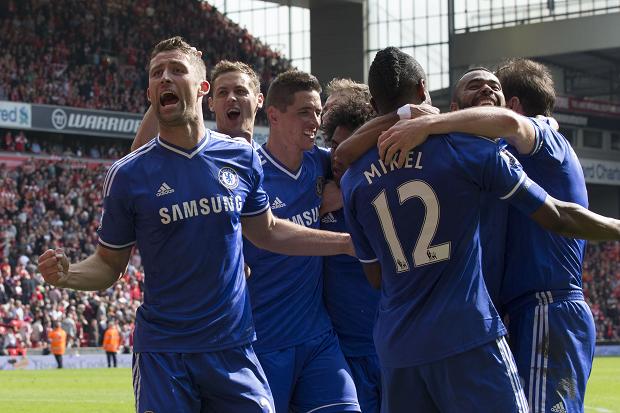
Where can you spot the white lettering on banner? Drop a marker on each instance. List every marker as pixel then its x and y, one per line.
pixel 600 172
pixel 103 123
pixel 564 118
pixel 16 115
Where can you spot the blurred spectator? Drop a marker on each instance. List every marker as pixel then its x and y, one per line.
pixel 58 341
pixel 111 342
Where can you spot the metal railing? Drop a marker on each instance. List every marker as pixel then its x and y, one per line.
pixel 487 15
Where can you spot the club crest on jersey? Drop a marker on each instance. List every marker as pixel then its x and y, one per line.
pixel 320 184
pixel 508 157
pixel 228 177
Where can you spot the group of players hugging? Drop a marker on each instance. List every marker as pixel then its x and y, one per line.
pixel 425 262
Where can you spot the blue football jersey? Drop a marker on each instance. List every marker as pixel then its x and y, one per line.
pixel 493 227
pixel 421 223
pixel 183 209
pixel 536 259
pixel 350 299
pixel 287 291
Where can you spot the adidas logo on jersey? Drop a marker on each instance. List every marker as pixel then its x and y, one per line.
pixel 277 203
pixel 558 408
pixel 329 219
pixel 164 189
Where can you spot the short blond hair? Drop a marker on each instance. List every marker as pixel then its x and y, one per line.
pixel 226 66
pixel 348 87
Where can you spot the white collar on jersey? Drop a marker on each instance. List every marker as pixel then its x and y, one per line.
pixel 280 166
pixel 180 151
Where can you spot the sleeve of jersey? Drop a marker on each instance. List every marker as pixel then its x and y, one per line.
pixel 257 201
pixel 116 230
pixel 548 142
pixel 510 183
pixel 363 249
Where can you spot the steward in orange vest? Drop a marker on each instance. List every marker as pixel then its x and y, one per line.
pixel 58 343
pixel 111 342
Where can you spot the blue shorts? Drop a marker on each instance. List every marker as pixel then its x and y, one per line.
pixel 553 343
pixel 230 380
pixel 310 377
pixel 367 378
pixel 482 379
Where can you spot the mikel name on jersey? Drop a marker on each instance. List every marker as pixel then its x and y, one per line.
pixel 378 168
pixel 202 206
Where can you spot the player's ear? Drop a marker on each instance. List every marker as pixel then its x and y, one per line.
pixel 421 91
pixel 273 115
pixel 514 103
pixel 260 99
pixel 148 94
pixel 210 102
pixel 454 106
pixel 204 88
pixel 373 103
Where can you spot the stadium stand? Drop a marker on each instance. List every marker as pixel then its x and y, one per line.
pixel 601 285
pixel 62 145
pixel 51 57
pixel 55 203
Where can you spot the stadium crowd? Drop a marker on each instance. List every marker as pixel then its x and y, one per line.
pixel 601 286
pixel 67 146
pixel 56 203
pixel 49 57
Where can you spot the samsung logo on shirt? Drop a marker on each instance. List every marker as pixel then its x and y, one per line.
pixel 199 207
pixel 306 218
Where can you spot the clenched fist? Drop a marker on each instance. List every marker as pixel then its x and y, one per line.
pixel 54 266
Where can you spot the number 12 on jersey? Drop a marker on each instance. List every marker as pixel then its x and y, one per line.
pixel 423 253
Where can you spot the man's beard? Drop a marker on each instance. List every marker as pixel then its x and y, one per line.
pixel 180 119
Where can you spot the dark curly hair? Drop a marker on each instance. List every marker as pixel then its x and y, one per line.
pixel 393 78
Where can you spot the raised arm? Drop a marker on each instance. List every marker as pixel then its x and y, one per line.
pixel 97 272
pixel 284 237
pixel 574 221
pixel 364 138
pixel 147 130
pixel 492 122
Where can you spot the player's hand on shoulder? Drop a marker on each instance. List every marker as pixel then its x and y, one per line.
pixel 332 198
pixel 54 266
pixel 396 143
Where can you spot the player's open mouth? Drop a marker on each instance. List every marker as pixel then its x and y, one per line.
pixel 233 114
pixel 485 102
pixel 168 98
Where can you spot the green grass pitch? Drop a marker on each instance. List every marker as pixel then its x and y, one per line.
pixel 110 391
